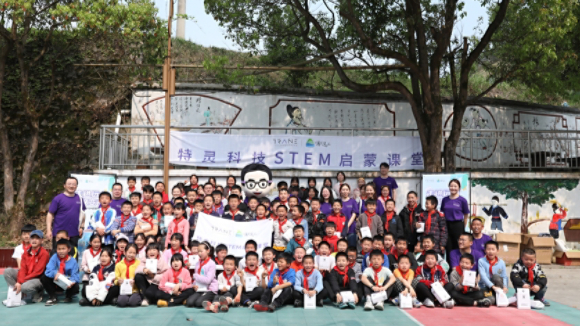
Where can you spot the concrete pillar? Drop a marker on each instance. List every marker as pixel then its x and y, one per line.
pixel 181 21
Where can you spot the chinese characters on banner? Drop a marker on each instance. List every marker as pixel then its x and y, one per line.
pixel 296 151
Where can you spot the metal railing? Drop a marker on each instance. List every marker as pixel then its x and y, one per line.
pixel 141 147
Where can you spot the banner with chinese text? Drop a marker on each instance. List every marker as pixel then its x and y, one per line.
pixel 296 151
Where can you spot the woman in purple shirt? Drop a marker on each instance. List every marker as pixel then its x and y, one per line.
pixel 326 200
pixel 456 210
pixel 350 210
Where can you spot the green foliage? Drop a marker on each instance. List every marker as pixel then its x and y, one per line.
pixel 539 191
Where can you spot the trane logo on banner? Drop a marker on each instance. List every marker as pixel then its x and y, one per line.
pixel 296 152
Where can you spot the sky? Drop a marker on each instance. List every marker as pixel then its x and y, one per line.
pixel 204 30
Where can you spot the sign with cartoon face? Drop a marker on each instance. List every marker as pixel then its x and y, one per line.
pixel 256 180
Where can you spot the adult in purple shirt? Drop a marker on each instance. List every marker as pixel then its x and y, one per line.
pixel 326 200
pixel 465 247
pixel 350 210
pixel 456 210
pixel 479 239
pixel 385 180
pixel 117 198
pixel 65 212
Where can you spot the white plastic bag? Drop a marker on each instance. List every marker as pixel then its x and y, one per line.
pixel 439 292
pixel 405 301
pixel 523 296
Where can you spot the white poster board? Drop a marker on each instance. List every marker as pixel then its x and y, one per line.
pixel 438 185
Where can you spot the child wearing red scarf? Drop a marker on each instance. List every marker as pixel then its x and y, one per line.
pixel 433 224
pixel 341 279
pixel 250 276
pixel 528 274
pixel 406 282
pixel 427 274
pixel 175 285
pixel 299 254
pixel 370 219
pixel 331 237
pixel 377 278
pixel 61 263
pixel 91 256
pixel 279 227
pixel 391 222
pixel 282 279
pixel 492 271
pixel 230 288
pixel 299 241
pixel 104 268
pixel 400 250
pixel 25 242
pixel 125 223
pixel 466 295
pixel 125 270
pixel 308 282
pixel 179 224
pixel 316 219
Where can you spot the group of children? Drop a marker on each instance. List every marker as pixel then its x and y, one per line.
pixel 348 257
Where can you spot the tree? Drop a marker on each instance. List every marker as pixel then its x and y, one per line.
pixel 414 37
pixel 532 191
pixel 38 37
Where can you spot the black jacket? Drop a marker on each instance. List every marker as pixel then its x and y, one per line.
pixel 519 275
pixel 394 264
pixel 409 229
pixel 318 227
pixel 337 281
pixel 395 226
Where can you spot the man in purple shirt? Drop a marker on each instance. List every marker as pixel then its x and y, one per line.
pixel 465 243
pixel 66 212
pixel 117 200
pixel 385 180
pixel 479 239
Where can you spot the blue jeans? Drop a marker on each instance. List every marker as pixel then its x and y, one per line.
pixel 496 224
pixel 540 294
pixel 352 240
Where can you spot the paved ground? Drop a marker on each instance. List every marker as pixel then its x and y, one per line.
pixel 562 282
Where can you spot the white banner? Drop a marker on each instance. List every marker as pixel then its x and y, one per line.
pixel 233 234
pixel 296 151
pixel 438 185
pixel 89 188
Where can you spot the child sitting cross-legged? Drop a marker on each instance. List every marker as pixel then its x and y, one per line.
pixel 427 274
pixel 175 284
pixel 527 273
pixel 492 271
pixel 342 279
pixel 148 281
pixel 466 295
pixel 250 277
pixel 377 278
pixel 308 282
pixel 230 288
pixel 61 264
pixel 405 281
pixel 282 279
pixel 105 267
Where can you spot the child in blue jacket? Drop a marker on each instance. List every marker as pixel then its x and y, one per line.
pixel 59 264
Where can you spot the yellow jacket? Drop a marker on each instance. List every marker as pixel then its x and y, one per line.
pixel 121 272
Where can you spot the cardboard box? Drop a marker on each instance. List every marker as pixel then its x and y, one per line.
pixel 572 235
pixel 509 246
pixel 544 247
pixel 569 258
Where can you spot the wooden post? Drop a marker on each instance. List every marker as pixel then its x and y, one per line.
pixel 170 87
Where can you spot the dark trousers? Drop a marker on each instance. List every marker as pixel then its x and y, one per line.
pixel 133 300
pixel 73 240
pixel 369 291
pixel 319 296
pixel 227 294
pixel 466 299
pixel 147 290
pixel 400 287
pixel 197 298
pixel 284 297
pixel 112 294
pixel 424 292
pixel 454 231
pixel 50 287
pixel 172 299
pixel 248 296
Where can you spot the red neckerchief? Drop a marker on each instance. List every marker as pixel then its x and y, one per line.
pixel 175 224
pixel 389 218
pixel 396 253
pixel 339 222
pixel 281 274
pixel 124 219
pixel 218 262
pixel 207 212
pixel 301 243
pixel 404 275
pixel 491 263
pixel 131 189
pixel 191 206
pixel 385 199
pixel 344 275
pixel 280 225
pixel 173 252
pixel 369 218
pixel 62 264
pixel 315 215
pixel 255 272
pixel 306 275
pixel 119 254
pixel 136 212
pixel 428 221
pixel 531 274
pixel 298 222
pixel 202 263
pixel 433 270
pixel 148 220
pixel 274 217
pixel 271 268
pixel 459 271
pixel 260 218
pixel 234 213
pixel 25 247
pixel 93 253
pixel 147 201
pixel 128 263
pixel 376 271
pixel 228 278
pixel 216 206
pixel 351 265
pixel 315 250
pixel 176 275
pixel 32 253
pixel 384 251
pixel 158 209
pixel 103 211
pixel 283 202
pixel 363 253
pixel 411 212
pixel 101 277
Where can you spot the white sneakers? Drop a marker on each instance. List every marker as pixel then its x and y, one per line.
pixel 369 305
pixel 449 304
pixel 428 303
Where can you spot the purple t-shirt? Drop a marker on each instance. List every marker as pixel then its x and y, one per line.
pixel 348 207
pixel 326 208
pixel 116 205
pixel 455 258
pixel 454 209
pixel 379 182
pixel 479 244
pixel 66 212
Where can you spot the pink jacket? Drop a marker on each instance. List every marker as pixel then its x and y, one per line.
pixel 162 266
pixel 184 277
pixel 182 227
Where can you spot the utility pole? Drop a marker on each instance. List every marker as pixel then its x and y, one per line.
pixel 169 87
pixel 180 32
